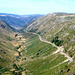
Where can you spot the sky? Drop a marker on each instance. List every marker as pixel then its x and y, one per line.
pixel 25 7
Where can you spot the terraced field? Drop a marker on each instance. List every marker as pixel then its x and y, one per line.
pixel 41 60
pixel 43 65
pixel 48 49
pixel 38 58
pixel 37 48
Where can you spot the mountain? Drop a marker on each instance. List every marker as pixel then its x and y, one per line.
pixel 5 28
pixel 44 46
pixel 15 15
pixel 58 30
pixel 17 21
pixel 6 48
pixel 60 25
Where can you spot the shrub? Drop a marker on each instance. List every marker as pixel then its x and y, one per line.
pixel 17 47
pixel 37 54
pixel 56 41
pixel 9 38
pixel 16 35
pixel 15 67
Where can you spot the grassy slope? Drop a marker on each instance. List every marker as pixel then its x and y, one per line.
pixel 41 63
pixel 60 25
pixel 6 47
pixel 38 56
pixel 66 34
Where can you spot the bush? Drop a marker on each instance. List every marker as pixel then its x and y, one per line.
pixel 10 39
pixel 37 54
pixel 16 35
pixel 15 67
pixel 18 47
pixel 33 30
pixel 52 41
pixel 16 73
pixel 56 41
pixel 39 32
pixel 19 53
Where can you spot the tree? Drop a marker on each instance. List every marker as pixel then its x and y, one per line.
pixel 16 35
pixel 15 67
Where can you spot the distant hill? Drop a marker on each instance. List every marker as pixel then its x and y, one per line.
pixel 17 21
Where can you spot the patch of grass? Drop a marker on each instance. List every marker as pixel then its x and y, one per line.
pixel 34 45
pixel 43 65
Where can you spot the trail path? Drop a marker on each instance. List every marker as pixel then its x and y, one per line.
pixel 59 49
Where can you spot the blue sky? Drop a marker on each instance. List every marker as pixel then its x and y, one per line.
pixel 25 7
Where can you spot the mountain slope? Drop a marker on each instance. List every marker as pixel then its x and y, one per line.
pixel 17 21
pixel 46 49
pixel 11 47
pixel 53 25
pixel 13 21
pixel 6 47
pixel 58 28
pixel 5 29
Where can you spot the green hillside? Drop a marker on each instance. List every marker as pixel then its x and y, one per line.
pixel 45 47
pixel 6 48
pixel 57 25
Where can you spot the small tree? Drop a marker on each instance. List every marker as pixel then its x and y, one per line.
pixel 19 53
pixel 15 67
pixel 16 35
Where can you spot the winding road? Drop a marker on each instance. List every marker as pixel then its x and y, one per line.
pixel 59 49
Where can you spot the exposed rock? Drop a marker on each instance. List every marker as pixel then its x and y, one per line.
pixel 72 26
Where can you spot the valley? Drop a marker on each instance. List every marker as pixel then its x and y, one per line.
pixel 45 47
pixel 18 21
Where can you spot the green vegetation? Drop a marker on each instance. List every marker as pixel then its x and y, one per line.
pixel 9 38
pixel 4 70
pixel 17 47
pixel 15 73
pixel 56 41
pixel 33 30
pixel 37 48
pixel 15 67
pixel 16 35
pixel 27 53
pixel 42 65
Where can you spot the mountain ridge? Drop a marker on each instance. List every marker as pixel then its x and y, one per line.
pixel 18 21
pixel 45 45
pixel 51 25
